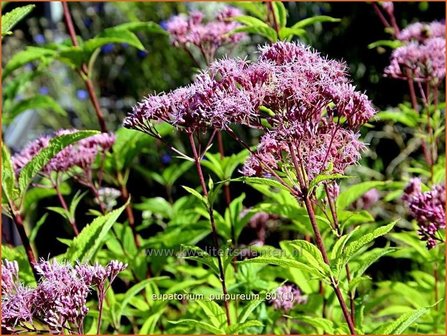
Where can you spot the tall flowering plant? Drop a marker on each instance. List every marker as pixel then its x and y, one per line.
pixel 306 106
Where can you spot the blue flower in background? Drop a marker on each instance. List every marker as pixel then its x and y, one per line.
pixel 87 22
pixel 142 53
pixel 39 39
pixel 43 90
pixel 166 159
pixel 125 45
pixel 82 94
pixel 164 24
pixel 107 48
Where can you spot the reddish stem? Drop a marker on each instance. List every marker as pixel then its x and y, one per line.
pixel 130 216
pixel 83 71
pixel 18 220
pixel 213 225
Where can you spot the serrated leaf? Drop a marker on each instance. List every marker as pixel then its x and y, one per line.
pixel 319 323
pixel 312 256
pixel 371 257
pixel 355 246
pixel 84 247
pixel 33 103
pixel 45 155
pixel 10 19
pixel 402 323
pixel 215 313
pixel 283 262
pixel 313 20
pixel 339 245
pixel 8 175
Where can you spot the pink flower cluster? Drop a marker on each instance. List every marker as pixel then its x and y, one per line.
pixel 313 108
pixel 286 297
pixel 421 31
pixel 207 36
pixel 59 300
pixel 428 208
pixel 422 57
pixel 81 154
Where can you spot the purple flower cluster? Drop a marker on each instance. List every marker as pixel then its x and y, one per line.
pixel 313 108
pixel 81 154
pixel 287 297
pixel 422 57
pixel 428 208
pixel 60 299
pixel 207 36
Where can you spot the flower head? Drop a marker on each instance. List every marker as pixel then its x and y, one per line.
pixel 207 36
pixel 313 108
pixel 81 154
pixel 60 298
pixel 287 297
pixel 428 208
pixel 421 31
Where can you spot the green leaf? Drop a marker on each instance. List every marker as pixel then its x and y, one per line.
pixel 33 103
pixel 147 27
pixel 205 326
pixel 45 155
pixel 385 43
pixel 10 19
pixel 370 257
pixel 348 196
pixel 131 293
pixel 410 120
pixel 283 262
pixel 267 32
pixel 280 13
pixel 248 309
pixel 196 194
pixel 150 325
pixel 322 325
pixel 84 247
pixel 339 245
pixel 257 9
pixel 235 329
pixel 215 314
pixel 355 246
pixel 402 323
pixel 313 20
pixel 111 35
pixel 35 230
pixel 197 254
pixel 287 33
pixel 8 176
pixel 311 255
pixel 26 56
pixel 250 21
pixel 320 178
pixel 260 180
